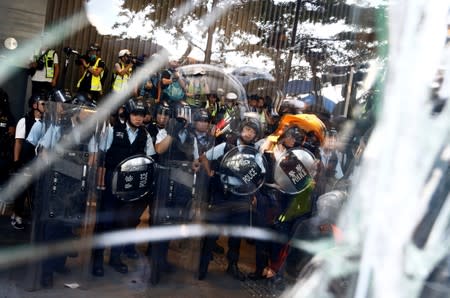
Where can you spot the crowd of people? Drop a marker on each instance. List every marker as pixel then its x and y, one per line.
pixel 246 163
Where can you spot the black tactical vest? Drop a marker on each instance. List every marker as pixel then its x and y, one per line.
pixel 121 148
pixel 179 151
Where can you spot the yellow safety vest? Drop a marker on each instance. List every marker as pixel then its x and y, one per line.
pixel 49 70
pixel 96 84
pixel 120 81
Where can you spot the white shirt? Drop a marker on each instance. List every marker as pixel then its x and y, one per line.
pixel 325 157
pixel 39 76
pixel 20 129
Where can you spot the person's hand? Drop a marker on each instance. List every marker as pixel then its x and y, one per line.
pixel 195 165
pixel 148 85
pixel 174 126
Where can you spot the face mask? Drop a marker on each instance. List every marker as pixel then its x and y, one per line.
pixel 93 57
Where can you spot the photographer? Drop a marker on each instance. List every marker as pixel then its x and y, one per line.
pixel 44 71
pixel 122 70
pixel 92 67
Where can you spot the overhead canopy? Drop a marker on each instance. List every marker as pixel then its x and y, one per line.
pixel 214 77
pixel 246 74
pixel 295 87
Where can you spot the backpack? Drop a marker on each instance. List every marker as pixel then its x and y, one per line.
pixel 174 92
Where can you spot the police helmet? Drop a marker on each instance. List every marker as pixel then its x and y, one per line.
pixel 183 111
pixel 4 98
pixel 201 115
pixel 163 109
pixel 252 123
pixel 82 100
pixel 313 125
pixel 36 98
pixel 295 133
pixel 231 96
pixel 330 204
pixel 135 106
pixel 124 52
pixel 58 95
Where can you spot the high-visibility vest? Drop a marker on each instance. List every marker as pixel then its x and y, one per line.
pixel 120 81
pixel 96 84
pixel 49 70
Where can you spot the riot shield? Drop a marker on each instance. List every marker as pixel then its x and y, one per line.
pixel 242 170
pixel 64 195
pixel 181 196
pixel 294 170
pixel 132 178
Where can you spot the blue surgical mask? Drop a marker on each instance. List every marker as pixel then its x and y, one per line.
pixel 93 57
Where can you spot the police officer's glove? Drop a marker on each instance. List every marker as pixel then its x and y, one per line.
pixel 174 126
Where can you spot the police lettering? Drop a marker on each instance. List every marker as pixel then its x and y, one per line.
pixel 298 174
pixel 143 180
pixel 249 176
pixel 129 178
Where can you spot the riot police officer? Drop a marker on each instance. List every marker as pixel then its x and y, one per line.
pixel 205 141
pixel 178 151
pixel 161 118
pixel 294 166
pixel 24 152
pixel 122 141
pixel 234 208
pixel 201 129
pixel 62 191
pixel 7 130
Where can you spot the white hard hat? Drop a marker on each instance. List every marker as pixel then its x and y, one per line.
pixel 124 52
pixel 231 96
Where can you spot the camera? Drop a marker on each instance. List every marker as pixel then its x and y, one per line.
pixel 136 60
pixel 69 51
pixel 40 64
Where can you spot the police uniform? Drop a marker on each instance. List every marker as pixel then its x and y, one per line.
pixel 122 141
pixel 174 188
pixel 61 192
pixel 25 155
pixel 6 143
pixel 227 208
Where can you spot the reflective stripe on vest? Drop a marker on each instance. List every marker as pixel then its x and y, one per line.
pixel 96 84
pixel 120 81
pixel 49 70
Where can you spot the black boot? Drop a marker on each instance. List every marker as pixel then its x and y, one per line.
pixel 97 265
pixel 47 280
pixel 203 267
pixel 234 271
pixel 130 252
pixel 118 265
pixel 218 249
pixel 257 275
